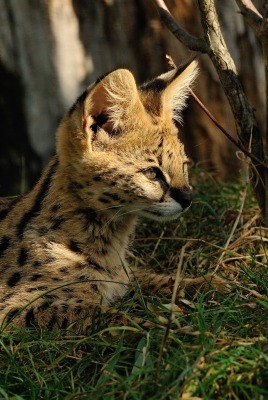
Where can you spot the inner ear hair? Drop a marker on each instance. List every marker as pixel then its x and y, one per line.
pixel 100 119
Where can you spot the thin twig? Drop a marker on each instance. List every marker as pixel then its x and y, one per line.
pixel 192 42
pixel 173 300
pixel 216 122
pixel 251 14
pixel 233 228
pixel 158 242
pixel 243 199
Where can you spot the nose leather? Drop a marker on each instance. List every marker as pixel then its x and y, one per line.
pixel 183 197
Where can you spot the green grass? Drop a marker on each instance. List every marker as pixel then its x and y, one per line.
pixel 217 345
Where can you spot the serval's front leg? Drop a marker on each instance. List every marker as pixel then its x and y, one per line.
pixel 153 283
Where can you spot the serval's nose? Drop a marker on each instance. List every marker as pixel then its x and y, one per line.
pixel 183 197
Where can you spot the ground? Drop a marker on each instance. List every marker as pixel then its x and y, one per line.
pixel 213 346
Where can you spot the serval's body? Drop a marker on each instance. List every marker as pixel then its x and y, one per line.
pixel 63 245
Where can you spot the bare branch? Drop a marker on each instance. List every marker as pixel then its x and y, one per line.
pixel 192 42
pixel 251 14
pixel 220 127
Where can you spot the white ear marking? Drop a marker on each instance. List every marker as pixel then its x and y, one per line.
pixel 175 95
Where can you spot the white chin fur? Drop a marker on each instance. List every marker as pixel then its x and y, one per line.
pixel 159 218
pixel 163 212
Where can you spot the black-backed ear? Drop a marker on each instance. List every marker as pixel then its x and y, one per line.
pixel 110 101
pixel 173 88
pixel 175 95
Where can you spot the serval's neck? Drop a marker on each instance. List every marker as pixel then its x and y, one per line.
pixel 87 227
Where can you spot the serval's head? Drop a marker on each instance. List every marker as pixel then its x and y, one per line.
pixel 120 146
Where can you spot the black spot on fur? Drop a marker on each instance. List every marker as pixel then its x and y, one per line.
pixel 36 277
pixel 57 279
pixel 45 305
pixel 14 279
pixel 68 290
pixel 37 289
pixel 78 310
pixel 80 266
pixel 36 207
pixel 29 318
pixel 37 264
pixel 95 287
pixel 94 264
pixel 49 260
pixel 43 230
pixel 4 244
pixel 74 246
pixel 11 314
pixel 52 297
pixel 64 323
pixel 22 257
pixel 57 222
pixel 42 288
pixel 7 297
pixel 104 200
pixel 55 208
pixel 90 217
pixel 97 178
pixel 105 239
pixel 113 196
pixel 64 270
pixel 52 321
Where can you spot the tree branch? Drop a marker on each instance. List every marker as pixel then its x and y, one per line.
pixel 220 127
pixel 192 42
pixel 251 14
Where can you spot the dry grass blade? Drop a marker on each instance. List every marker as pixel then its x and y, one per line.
pixel 178 278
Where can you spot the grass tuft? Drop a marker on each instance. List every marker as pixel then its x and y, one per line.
pixel 213 346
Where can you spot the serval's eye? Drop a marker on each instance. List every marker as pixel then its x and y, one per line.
pixel 150 174
pixel 154 174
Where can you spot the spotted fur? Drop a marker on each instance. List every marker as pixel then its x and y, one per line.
pixel 63 245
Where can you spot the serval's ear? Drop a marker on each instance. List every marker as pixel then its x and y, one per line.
pixel 173 89
pixel 178 83
pixel 113 99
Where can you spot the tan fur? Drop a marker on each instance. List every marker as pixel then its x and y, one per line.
pixel 63 245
